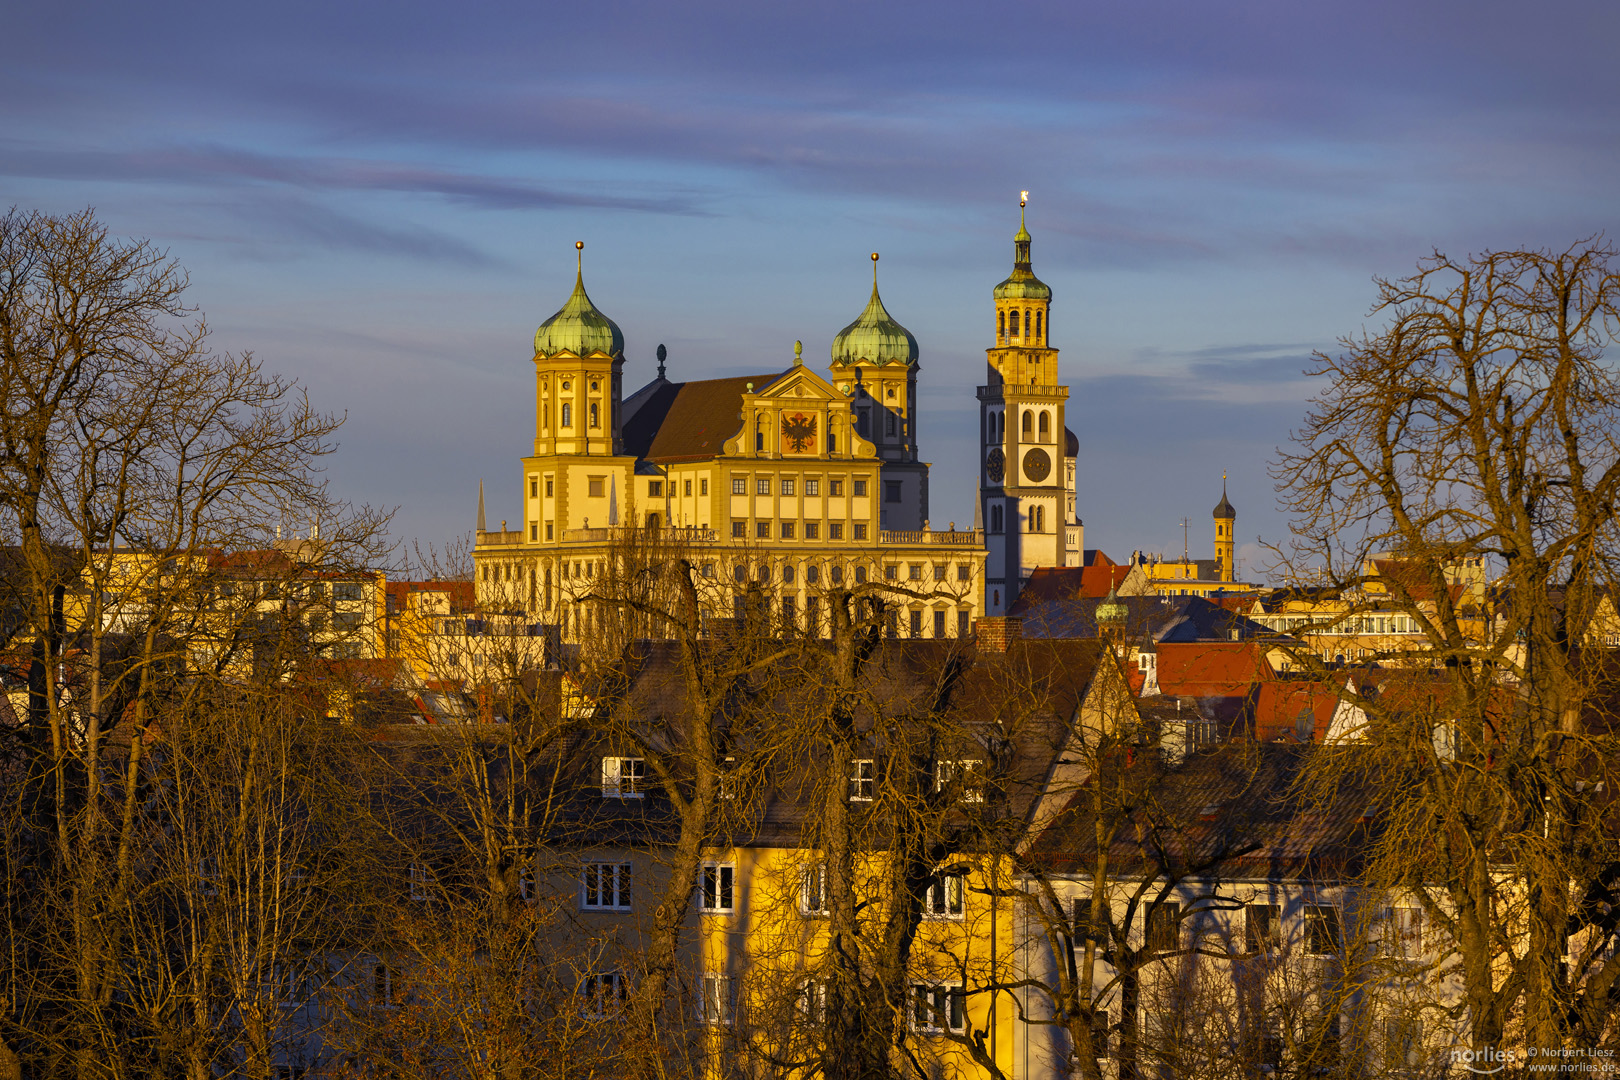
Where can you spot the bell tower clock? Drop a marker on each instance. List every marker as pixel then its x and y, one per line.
pixel 1026 475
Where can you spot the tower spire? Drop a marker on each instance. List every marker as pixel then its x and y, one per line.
pixel 480 505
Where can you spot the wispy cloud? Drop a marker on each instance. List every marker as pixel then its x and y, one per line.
pixel 213 166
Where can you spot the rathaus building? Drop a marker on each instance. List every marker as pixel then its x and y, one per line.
pixel 786 483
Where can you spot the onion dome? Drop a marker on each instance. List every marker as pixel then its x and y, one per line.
pixel 874 338
pixel 579 328
pixel 1023 285
pixel 1112 611
pixel 1223 509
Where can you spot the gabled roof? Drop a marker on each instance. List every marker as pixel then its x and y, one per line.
pixel 1231 808
pixel 1211 668
pixel 688 421
pixel 1159 618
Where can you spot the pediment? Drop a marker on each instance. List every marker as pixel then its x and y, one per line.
pixel 801 384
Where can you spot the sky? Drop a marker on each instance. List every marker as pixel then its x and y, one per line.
pixel 381 200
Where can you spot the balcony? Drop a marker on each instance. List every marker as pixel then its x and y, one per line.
pixel 992 393
pixel 949 538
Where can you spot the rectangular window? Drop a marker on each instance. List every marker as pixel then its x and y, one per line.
pixel 812 487
pixel 762 530
pixel 1321 929
pixel 1403 932
pixel 939 624
pixel 862 781
pixel 739 485
pixel 347 622
pixel 812 530
pixel 596 487
pixel 1164 928
pixel 860 488
pixel 813 889
pixel 602 996
pixel 787 487
pixel 891 491
pixel 787 530
pixel 703 486
pixel 345 592
pixel 534 487
pixel 835 487
pixel 655 489
pixel 418 876
pixel 605 886
pixel 962 624
pixel 534 531
pixel 938 1007
pixel 1262 927
pixel 916 622
pixel 860 531
pixel 813 1002
pixel 550 532
pixel 941 571
pixel 966 777
pixel 688 487
pixel 384 986
pixel 944 899
pixel 835 531
pixel 762 486
pixel 718 887
pixel 964 572
pixel 623 777
pixel 719 999
pixel 914 571
pixel 739 530
pixel 891 573
pixel 548 487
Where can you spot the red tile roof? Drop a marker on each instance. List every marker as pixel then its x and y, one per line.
pixel 1211 668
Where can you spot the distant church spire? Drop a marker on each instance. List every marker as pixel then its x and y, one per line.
pixel 480 506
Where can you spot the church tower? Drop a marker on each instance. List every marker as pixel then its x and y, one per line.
pixel 1027 452
pixel 874 364
pixel 1224 517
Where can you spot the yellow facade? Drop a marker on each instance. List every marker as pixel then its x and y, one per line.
pixel 781 489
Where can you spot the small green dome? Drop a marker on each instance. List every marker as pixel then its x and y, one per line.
pixel 579 328
pixel 1111 610
pixel 1023 285
pixel 874 338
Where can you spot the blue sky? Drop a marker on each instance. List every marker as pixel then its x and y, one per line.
pixel 381 200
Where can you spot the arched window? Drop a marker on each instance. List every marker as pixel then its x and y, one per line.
pixel 1046 427
pixel 1026 322
pixel 1001 324
pixel 567 415
pixel 1037 326
pixel 1027 425
pixel 595 416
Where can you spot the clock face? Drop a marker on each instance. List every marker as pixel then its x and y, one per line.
pixel 995 464
pixel 1037 464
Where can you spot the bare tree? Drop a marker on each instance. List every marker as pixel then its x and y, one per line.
pixel 1477 428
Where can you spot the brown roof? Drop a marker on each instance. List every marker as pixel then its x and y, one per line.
pixel 689 421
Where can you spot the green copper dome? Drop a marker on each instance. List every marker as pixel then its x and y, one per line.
pixel 1023 285
pixel 579 327
pixel 874 338
pixel 1111 610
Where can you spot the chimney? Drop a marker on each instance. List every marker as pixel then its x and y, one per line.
pixel 996 633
